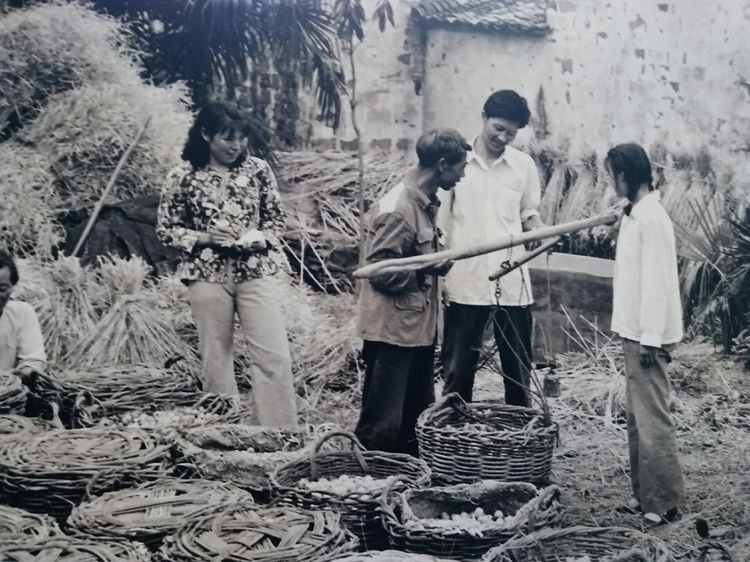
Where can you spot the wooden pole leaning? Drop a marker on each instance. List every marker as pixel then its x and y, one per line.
pixel 415 263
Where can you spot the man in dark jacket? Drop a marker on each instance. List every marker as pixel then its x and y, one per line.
pixel 398 313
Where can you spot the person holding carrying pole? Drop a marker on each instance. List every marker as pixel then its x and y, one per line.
pixel 647 314
pixel 398 313
pixel 499 196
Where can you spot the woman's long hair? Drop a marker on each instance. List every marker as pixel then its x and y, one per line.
pixel 214 118
pixel 633 162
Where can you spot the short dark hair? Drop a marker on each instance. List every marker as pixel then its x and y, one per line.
pixel 437 144
pixel 6 260
pixel 507 104
pixel 632 161
pixel 214 118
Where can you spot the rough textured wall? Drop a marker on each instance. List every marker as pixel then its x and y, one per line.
pixel 390 114
pixel 674 73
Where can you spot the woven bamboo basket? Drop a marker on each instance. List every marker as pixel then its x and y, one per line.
pixel 12 394
pixel 150 512
pixel 17 523
pixel 599 544
pixel 388 556
pixel 486 441
pixel 12 425
pixel 241 454
pixel 360 510
pixel 246 533
pixel 72 549
pixel 415 518
pixel 53 471
pixel 120 395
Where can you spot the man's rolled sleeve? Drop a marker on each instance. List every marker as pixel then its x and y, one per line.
pixel 532 193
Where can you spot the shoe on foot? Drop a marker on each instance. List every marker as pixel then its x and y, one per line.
pixel 655 520
pixel 632 506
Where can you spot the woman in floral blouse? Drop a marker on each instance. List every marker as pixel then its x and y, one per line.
pixel 221 207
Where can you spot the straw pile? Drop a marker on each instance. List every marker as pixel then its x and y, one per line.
pixel 12 394
pixel 51 472
pixel 245 533
pixel 73 549
pixel 27 219
pixel 56 47
pixel 388 556
pixel 152 511
pixel 17 523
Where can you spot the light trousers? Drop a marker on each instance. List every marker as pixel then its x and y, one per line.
pixel 655 471
pixel 256 302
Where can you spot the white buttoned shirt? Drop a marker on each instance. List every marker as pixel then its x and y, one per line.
pixel 646 292
pixel 491 201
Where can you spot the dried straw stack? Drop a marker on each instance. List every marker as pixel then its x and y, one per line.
pixel 245 533
pixel 152 511
pixel 12 394
pixel 52 472
pixel 12 426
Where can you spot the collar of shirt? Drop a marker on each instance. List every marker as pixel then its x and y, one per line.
pixel 508 156
pixel 425 201
pixel 647 200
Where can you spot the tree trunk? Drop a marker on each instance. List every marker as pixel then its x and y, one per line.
pixel 360 159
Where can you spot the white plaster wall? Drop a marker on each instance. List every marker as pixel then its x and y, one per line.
pixel 674 73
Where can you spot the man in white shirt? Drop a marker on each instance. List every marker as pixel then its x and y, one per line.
pixel 499 195
pixel 21 343
pixel 647 314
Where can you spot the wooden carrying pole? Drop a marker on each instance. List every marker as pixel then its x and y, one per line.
pixel 109 186
pixel 527 257
pixel 415 263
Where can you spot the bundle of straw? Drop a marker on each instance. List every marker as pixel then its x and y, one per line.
pixel 73 549
pixel 28 222
pixel 12 394
pixel 12 425
pixel 52 48
pixel 131 329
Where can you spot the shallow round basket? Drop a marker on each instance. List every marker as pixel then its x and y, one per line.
pixel 12 425
pixel 72 549
pixel 486 441
pixel 388 556
pixel 244 455
pixel 360 511
pixel 17 523
pixel 406 516
pixel 150 512
pixel 12 394
pixel 53 471
pixel 599 544
pixel 246 533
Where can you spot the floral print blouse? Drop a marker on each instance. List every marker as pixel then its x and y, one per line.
pixel 195 200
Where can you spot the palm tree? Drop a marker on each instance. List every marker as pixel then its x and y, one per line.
pixel 210 43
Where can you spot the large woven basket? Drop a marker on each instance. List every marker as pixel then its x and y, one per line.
pixel 17 523
pixel 359 510
pixel 408 516
pixel 85 398
pixel 52 472
pixel 72 549
pixel 150 512
pixel 12 394
pixel 241 454
pixel 599 544
pixel 246 533
pixel 12 425
pixel 486 441
pixel 388 556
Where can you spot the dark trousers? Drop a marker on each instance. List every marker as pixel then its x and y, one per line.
pixel 398 387
pixel 462 343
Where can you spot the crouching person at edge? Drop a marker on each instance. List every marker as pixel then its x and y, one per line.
pixel 217 197
pixel 398 313
pixel 647 314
